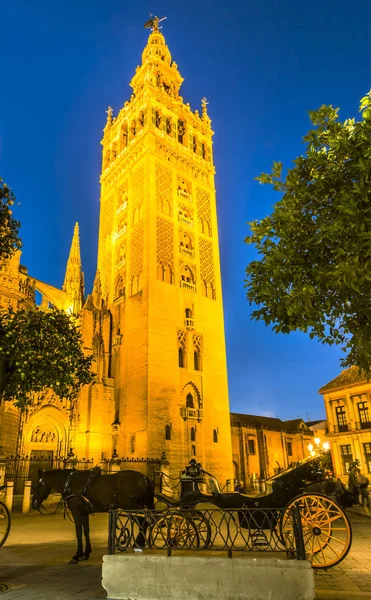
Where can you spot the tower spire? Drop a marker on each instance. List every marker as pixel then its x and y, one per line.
pixel 74 278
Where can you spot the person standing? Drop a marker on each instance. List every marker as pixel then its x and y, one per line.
pixel 363 483
pixel 353 484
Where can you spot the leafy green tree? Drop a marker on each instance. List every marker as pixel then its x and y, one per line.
pixel 40 350
pixel 314 272
pixel 9 237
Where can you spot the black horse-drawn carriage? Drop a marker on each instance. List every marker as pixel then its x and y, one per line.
pixel 232 520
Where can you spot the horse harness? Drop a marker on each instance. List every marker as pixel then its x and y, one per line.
pixel 83 492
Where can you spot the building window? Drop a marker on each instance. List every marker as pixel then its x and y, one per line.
pixel 251 446
pixel 341 418
pixel 215 436
pixel 367 453
pixel 197 361
pixel 289 448
pixel 193 450
pixel 364 416
pixel 347 457
pixel 168 432
pixel 189 401
pixel 181 358
pixel 193 434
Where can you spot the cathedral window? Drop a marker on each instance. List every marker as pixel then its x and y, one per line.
pixel 120 288
pixel 193 434
pixel 121 256
pixel 168 432
pixel 203 150
pixel 187 279
pixel 182 358
pixel 169 126
pixel 193 450
pixel 190 403
pixel 215 436
pixel 185 216
pixel 114 150
pixel 121 228
pixel 181 131
pixel 124 136
pixel 133 129
pixel 158 119
pixel 194 144
pixel 141 118
pixel 197 361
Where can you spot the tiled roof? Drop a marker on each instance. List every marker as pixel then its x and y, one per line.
pixel 240 420
pixel 346 378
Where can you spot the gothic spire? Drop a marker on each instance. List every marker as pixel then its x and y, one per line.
pixel 74 277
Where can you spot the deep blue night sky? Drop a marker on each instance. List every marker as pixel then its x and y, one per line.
pixel 262 66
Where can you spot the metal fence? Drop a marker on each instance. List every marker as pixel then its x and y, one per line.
pixel 252 530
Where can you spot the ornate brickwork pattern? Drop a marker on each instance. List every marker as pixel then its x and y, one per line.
pixel 204 210
pixel 182 339
pixel 164 189
pixel 136 250
pixel 206 261
pixel 197 342
pixel 165 243
pixel 138 187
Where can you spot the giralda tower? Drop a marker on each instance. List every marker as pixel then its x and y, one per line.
pixel 158 260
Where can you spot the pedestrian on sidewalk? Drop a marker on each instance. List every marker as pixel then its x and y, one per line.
pixel 353 484
pixel 363 484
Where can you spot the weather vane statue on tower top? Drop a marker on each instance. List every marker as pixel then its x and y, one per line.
pixel 154 23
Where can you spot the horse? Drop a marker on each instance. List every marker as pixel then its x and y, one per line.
pixel 87 492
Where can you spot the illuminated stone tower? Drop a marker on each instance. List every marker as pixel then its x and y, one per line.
pixel 159 267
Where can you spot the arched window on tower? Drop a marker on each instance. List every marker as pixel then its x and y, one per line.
pixel 182 357
pixel 215 436
pixel 188 313
pixel 197 360
pixel 168 432
pixel 193 450
pixel 190 401
pixel 193 434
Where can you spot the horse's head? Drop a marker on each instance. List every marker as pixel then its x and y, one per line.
pixel 40 491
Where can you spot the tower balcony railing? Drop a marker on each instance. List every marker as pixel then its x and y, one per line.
pixel 189 323
pixel 120 232
pixel 191 413
pixel 186 285
pixel 185 221
pixel 122 207
pixel 184 195
pixel 189 252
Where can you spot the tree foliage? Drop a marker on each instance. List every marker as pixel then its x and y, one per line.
pixel 314 272
pixel 9 238
pixel 40 350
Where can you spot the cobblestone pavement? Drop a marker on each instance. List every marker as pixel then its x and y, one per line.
pixel 34 562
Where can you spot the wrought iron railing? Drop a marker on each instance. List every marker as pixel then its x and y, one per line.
pixel 251 530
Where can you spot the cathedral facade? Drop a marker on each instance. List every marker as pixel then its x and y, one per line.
pixel 154 320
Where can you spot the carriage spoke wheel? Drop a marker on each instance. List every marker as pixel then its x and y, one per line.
pixel 202 526
pixel 327 532
pixel 4 523
pixel 173 530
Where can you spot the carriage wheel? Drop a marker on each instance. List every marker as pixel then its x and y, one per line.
pixel 202 526
pixel 326 529
pixel 174 530
pixel 4 523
